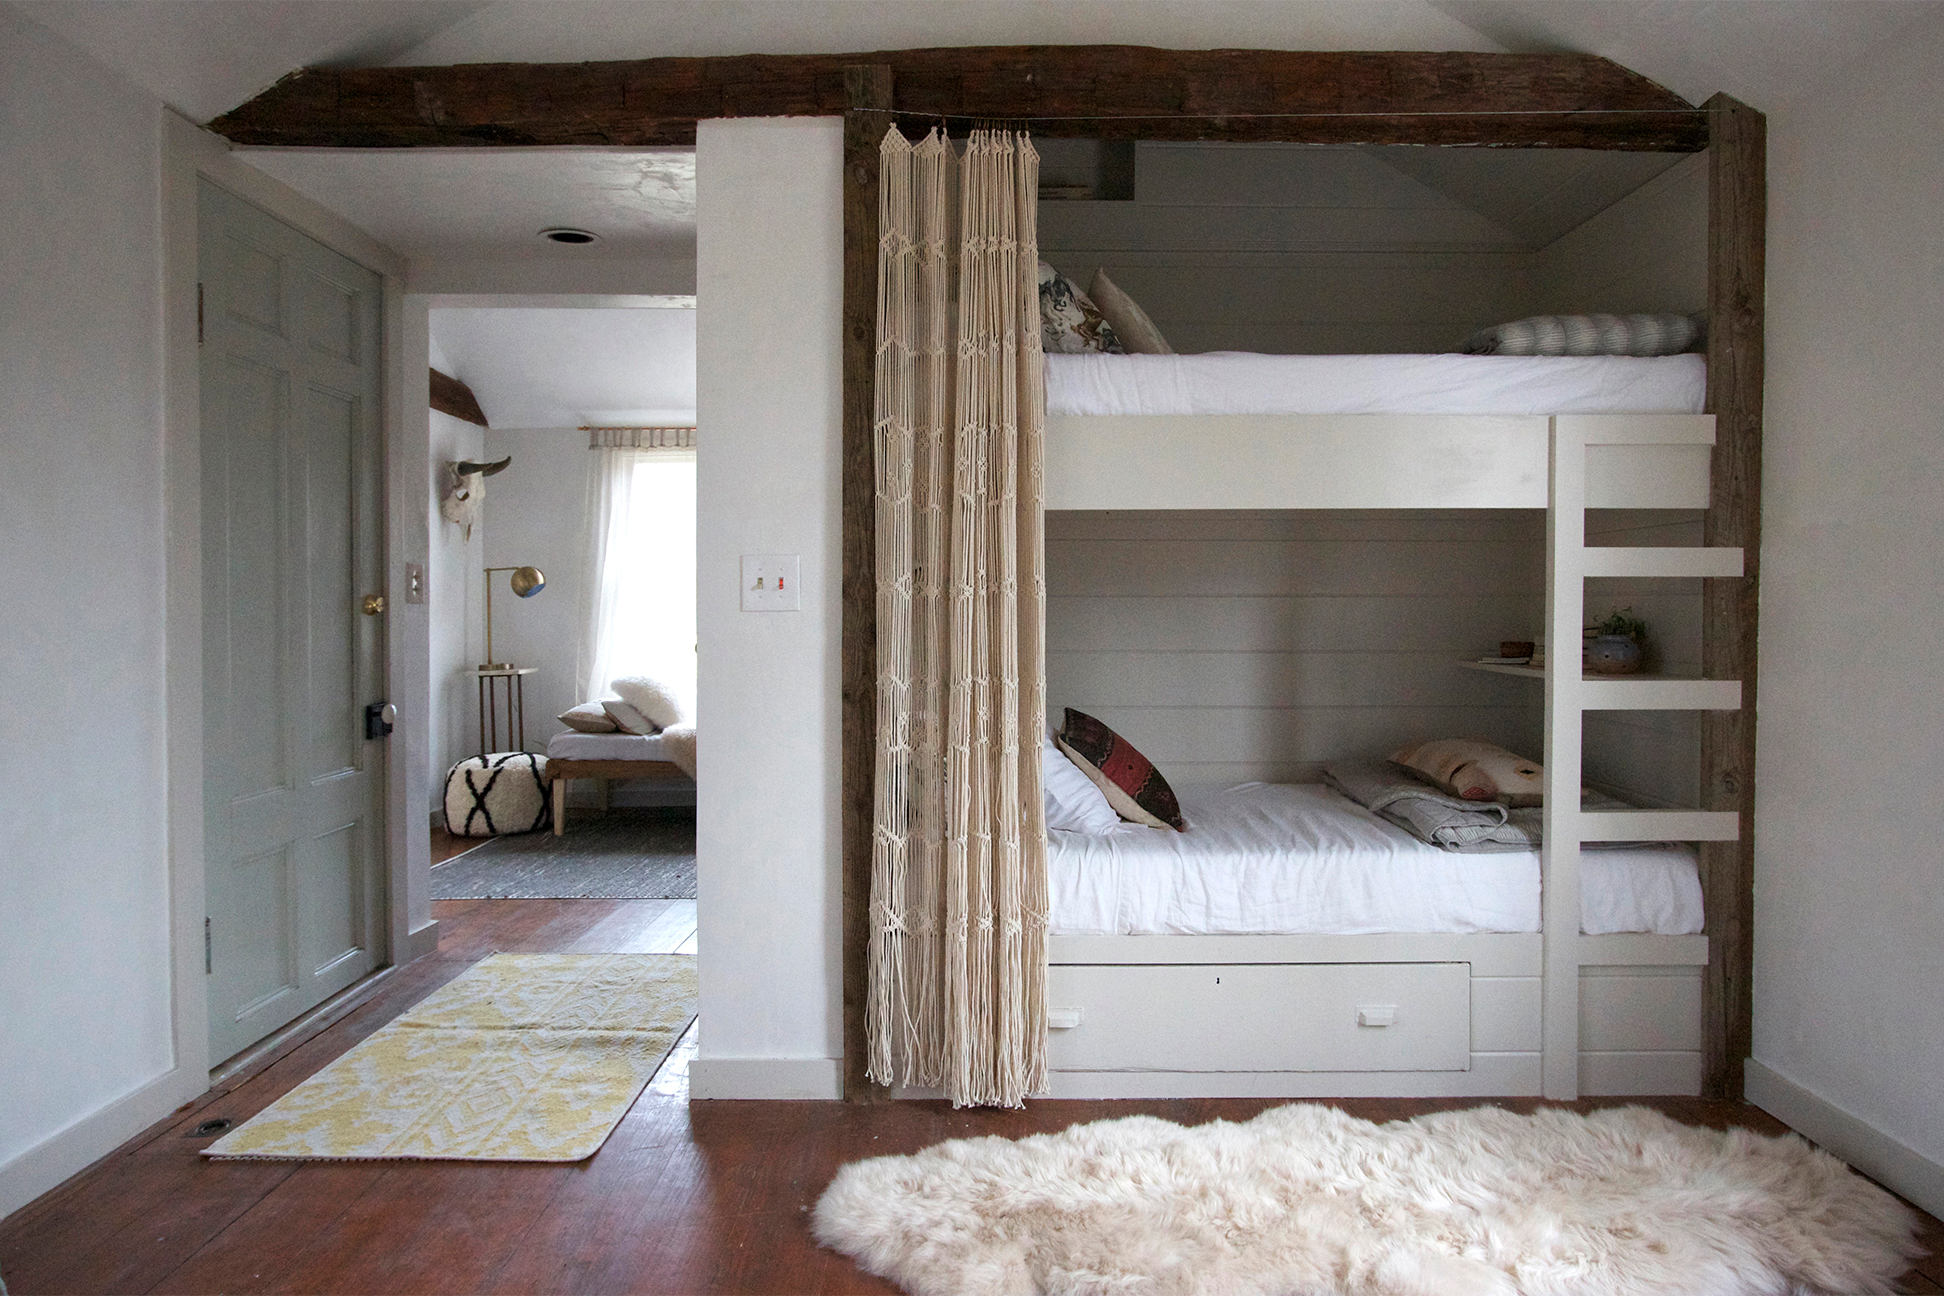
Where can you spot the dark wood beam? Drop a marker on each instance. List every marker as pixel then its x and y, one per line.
pixel 1737 219
pixel 1090 91
pixel 450 396
pixel 867 91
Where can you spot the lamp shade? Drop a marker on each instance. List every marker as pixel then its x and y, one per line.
pixel 527 581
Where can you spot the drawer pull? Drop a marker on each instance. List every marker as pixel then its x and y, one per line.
pixel 1062 1018
pixel 1377 1015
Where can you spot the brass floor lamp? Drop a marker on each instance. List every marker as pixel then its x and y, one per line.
pixel 525 583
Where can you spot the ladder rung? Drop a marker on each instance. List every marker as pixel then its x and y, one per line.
pixel 1717 562
pixel 1638 429
pixel 1653 694
pixel 1659 825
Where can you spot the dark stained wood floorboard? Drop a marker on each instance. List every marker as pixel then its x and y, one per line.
pixel 704 1197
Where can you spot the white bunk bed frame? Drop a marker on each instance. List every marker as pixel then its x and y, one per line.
pixel 1552 1012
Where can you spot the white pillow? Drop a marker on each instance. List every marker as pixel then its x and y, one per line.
pixel 627 719
pixel 652 698
pixel 1072 801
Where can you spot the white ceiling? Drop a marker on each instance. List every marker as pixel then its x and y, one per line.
pixel 547 368
pixel 495 202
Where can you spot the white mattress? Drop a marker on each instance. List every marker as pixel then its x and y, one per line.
pixel 1265 858
pixel 1243 382
pixel 609 746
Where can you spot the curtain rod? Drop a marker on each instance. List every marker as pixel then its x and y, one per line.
pixel 1171 116
pixel 636 427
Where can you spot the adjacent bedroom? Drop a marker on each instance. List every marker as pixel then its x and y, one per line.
pixel 563 631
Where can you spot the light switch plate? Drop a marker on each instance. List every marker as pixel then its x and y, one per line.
pixel 770 583
pixel 414 583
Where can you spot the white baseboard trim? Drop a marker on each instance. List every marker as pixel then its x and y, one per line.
pixel 60 1157
pixel 419 943
pixel 1883 1157
pixel 816 1078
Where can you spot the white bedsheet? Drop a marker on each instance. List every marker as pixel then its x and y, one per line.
pixel 1300 858
pixel 1244 382
pixel 609 746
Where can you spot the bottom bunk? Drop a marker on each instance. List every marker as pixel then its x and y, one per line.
pixel 1291 943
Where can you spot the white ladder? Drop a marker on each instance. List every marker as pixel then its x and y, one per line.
pixel 1569 695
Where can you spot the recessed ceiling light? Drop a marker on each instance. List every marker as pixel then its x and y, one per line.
pixel 568 234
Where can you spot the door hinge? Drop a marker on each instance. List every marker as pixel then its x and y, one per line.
pixel 199 314
pixel 209 950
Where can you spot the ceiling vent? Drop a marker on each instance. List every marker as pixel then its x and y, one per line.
pixel 569 235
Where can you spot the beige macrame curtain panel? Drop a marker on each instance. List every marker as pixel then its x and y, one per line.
pixel 958 869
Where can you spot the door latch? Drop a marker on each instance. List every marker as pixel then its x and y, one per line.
pixel 379 717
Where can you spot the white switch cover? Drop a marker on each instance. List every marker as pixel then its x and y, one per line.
pixel 770 583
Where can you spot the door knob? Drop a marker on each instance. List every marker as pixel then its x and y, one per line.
pixel 374 604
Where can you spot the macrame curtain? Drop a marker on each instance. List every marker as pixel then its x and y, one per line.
pixel 958 870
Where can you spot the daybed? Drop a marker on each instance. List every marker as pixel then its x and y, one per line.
pixel 602 757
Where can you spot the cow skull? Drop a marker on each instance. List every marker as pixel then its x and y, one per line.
pixel 465 491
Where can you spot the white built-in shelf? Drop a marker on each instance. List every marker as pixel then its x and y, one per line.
pixel 1638 692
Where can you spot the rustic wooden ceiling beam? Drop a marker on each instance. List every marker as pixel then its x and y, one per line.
pixel 1087 91
pixel 450 396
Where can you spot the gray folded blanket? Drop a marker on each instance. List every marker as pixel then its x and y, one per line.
pixel 1446 821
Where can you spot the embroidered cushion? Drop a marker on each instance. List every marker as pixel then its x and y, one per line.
pixel 1129 322
pixel 1132 785
pixel 1590 335
pixel 1070 324
pixel 1073 803
pixel 588 717
pixel 1476 771
pixel 504 792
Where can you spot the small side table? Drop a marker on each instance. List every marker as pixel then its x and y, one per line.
pixel 496 682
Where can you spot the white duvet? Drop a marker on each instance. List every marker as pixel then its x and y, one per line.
pixel 1280 858
pixel 1245 382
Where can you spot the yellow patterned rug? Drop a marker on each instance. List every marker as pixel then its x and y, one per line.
pixel 525 1057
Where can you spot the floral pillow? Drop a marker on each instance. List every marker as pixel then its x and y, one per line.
pixel 1133 786
pixel 1070 324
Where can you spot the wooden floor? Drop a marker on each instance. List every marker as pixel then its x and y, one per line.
pixel 709 1197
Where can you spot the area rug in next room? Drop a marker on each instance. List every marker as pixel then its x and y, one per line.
pixel 623 854
pixel 523 1057
pixel 1307 1201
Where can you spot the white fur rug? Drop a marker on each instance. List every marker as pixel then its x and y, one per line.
pixel 1306 1200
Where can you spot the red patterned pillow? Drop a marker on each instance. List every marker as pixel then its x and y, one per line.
pixel 1133 786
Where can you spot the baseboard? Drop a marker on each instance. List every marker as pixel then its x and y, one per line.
pixel 418 943
pixel 1888 1160
pixel 60 1157
pixel 816 1078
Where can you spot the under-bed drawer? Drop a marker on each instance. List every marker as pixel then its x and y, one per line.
pixel 1260 1017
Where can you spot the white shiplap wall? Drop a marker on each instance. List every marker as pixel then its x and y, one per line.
pixel 1231 646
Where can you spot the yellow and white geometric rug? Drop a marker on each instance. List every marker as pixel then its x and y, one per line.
pixel 524 1057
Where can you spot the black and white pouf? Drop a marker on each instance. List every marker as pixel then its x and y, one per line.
pixel 501 792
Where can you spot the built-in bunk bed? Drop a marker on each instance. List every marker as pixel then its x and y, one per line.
pixel 1160 1008
pixel 1289 939
pixel 1292 942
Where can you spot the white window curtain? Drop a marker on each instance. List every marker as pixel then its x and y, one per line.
pixel 958 887
pixel 638 579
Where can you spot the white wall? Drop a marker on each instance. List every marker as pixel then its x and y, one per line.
pixel 1647 252
pixel 453 572
pixel 85 970
pixel 769 290
pixel 1849 890
pixel 1237 646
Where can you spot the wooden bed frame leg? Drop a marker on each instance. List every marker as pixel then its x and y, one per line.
pixel 560 807
pixel 604 791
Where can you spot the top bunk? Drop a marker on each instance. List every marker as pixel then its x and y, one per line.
pixel 1321 299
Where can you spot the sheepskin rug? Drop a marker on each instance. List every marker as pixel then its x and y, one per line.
pixel 1306 1200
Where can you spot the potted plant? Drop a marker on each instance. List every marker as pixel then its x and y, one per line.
pixel 1617 644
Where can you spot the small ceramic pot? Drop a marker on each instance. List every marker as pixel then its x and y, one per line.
pixel 1613 655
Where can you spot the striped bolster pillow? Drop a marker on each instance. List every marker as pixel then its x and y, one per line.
pixel 1590 335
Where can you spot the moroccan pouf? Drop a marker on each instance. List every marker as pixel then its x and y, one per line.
pixel 502 792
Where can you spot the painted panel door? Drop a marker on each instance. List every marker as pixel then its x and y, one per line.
pixel 291 545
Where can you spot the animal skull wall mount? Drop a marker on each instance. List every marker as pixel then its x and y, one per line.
pixel 465 491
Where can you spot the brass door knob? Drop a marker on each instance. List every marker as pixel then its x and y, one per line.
pixel 374 604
